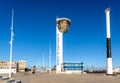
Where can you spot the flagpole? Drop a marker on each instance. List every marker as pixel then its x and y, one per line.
pixel 50 58
pixel 11 42
pixel 43 60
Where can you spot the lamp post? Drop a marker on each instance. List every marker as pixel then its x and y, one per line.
pixel 11 42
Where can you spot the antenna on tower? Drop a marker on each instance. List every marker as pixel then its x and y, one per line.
pixel 109 4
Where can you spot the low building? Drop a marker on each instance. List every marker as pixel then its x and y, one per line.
pixel 116 70
pixel 5 64
pixel 16 66
pixel 72 68
pixel 21 66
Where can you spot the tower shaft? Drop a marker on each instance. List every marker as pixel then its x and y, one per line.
pixel 59 50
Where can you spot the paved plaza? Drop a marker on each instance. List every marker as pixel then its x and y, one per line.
pixel 60 78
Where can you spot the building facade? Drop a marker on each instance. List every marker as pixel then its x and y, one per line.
pixel 18 66
pixel 73 68
pixel 21 66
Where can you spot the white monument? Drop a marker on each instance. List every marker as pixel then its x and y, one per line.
pixel 108 39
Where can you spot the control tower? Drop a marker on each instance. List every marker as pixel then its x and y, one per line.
pixel 62 26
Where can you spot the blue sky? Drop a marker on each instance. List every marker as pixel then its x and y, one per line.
pixel 35 28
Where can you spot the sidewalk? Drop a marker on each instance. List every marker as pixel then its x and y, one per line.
pixel 57 78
